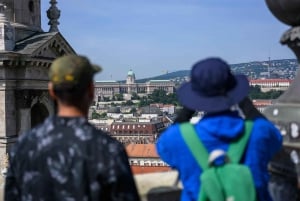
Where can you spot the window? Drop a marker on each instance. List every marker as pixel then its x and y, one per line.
pixel 31 6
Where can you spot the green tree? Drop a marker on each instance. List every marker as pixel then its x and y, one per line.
pixel 158 96
pixel 103 115
pixel 134 96
pixel 256 93
pixel 128 103
pixel 119 97
pixel 106 99
pixel 95 115
pixel 133 110
pixel 161 96
pixel 144 102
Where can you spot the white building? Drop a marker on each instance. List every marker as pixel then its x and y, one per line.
pixel 271 84
pixel 111 88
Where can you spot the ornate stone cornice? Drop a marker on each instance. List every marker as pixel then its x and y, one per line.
pixel 57 44
pixel 17 60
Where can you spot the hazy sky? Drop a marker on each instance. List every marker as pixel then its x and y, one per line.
pixel 154 36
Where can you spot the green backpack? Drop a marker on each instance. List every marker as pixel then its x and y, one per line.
pixel 229 182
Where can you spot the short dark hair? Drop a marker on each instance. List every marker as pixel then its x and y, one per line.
pixel 71 96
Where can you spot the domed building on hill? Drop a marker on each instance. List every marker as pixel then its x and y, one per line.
pixel 112 88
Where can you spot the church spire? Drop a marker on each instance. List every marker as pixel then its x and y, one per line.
pixel 7 32
pixel 53 13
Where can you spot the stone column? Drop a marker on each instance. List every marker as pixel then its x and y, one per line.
pixel 8 134
pixel 285 113
pixel 23 105
pixel 25 120
pixel 7 32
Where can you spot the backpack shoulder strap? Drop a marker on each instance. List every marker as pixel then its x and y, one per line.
pixel 237 148
pixel 195 145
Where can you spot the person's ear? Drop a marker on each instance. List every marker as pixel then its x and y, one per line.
pixel 51 91
pixel 91 90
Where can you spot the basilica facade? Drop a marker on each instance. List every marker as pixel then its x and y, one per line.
pixel 26 53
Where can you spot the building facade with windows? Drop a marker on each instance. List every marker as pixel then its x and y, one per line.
pixel 136 132
pixel 111 88
pixel 143 158
pixel 271 84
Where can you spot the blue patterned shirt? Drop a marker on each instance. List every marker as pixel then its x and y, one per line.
pixel 68 159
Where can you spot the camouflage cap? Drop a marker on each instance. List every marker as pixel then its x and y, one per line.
pixel 72 70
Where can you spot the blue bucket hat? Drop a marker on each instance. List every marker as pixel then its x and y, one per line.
pixel 212 88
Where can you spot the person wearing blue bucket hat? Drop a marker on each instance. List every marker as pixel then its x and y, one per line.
pixel 217 92
pixel 212 87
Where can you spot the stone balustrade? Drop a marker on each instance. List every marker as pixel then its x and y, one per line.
pixel 151 186
pixel 158 186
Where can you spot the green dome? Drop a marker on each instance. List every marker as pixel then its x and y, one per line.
pixel 131 73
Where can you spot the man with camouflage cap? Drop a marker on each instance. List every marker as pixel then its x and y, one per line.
pixel 66 158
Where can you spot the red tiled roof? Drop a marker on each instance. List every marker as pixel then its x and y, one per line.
pixel 141 150
pixel 148 169
pixel 270 80
pixel 262 102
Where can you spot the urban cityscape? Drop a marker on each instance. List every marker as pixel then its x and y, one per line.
pixel 134 110
pixel 118 111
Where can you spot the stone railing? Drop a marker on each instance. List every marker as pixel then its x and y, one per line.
pixel 151 186
pixel 158 186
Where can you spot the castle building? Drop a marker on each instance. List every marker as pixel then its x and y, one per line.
pixel 111 88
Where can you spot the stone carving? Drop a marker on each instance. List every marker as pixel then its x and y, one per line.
pixel 4 164
pixel 53 13
pixel 291 34
pixel 286 11
pixel 284 168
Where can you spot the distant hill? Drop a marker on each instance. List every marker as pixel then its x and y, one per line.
pixel 167 76
pixel 284 68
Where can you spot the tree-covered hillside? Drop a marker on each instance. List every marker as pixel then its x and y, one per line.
pixel 285 68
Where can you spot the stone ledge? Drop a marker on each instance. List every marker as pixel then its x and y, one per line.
pixel 145 183
pixel 155 183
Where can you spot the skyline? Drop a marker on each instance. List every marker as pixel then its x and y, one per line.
pixel 152 37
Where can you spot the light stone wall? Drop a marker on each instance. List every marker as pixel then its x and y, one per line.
pixel 10 113
pixel 2 113
pixel 25 16
pixel 8 122
pixel 2 124
pixel 25 22
pixel 145 182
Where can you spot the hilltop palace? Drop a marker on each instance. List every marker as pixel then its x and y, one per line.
pixel 111 88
